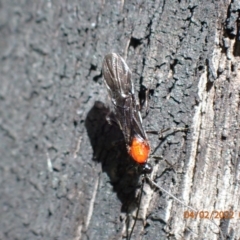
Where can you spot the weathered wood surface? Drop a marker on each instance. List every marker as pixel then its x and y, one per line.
pixel 63 173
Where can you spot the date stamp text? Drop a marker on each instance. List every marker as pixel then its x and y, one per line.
pixel 211 214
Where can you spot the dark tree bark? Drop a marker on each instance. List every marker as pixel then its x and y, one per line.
pixel 64 172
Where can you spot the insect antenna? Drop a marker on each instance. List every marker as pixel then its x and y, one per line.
pixel 153 184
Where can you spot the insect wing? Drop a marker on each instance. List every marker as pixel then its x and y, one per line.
pixel 117 77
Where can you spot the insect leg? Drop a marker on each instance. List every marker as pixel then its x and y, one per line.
pixel 138 209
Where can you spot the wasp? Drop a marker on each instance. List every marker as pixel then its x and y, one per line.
pixel 126 109
pixel 126 112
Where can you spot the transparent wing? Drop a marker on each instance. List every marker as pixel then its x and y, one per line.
pixel 117 77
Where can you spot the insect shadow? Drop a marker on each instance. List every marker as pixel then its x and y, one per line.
pixel 110 150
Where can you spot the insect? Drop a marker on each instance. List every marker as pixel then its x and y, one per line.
pixel 126 109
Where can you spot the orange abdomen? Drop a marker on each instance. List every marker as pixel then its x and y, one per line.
pixel 139 150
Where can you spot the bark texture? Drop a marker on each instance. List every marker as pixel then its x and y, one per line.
pixel 64 172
